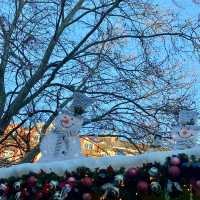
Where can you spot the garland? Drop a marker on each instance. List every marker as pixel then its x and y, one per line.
pixel 178 178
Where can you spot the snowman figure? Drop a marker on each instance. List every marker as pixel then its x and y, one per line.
pixel 185 134
pixel 64 142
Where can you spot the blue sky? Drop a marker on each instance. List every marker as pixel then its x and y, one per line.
pixel 187 9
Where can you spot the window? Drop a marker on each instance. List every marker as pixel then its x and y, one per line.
pixel 8 154
pixel 36 138
pixel 89 146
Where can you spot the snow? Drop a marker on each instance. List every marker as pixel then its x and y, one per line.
pixel 59 167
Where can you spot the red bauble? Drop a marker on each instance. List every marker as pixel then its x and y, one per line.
pixel 110 169
pixel 71 181
pixel 174 171
pixel 132 172
pixel 87 181
pixel 175 161
pixel 24 194
pixel 31 181
pixel 142 187
pixel 46 189
pixel 39 195
pixel 87 196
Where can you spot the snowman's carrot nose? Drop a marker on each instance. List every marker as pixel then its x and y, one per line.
pixel 66 120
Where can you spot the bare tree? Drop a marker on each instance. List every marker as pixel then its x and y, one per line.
pixel 127 54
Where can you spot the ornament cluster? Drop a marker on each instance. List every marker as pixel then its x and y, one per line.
pixel 178 178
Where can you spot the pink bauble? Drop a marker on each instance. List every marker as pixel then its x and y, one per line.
pixel 87 196
pixel 62 184
pixel 198 183
pixel 174 171
pixel 142 187
pixel 132 172
pixel 87 181
pixel 175 161
pixel 71 181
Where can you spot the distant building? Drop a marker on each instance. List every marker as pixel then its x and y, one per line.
pixel 95 146
pixel 106 146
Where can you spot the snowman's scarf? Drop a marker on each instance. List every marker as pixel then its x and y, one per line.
pixel 59 142
pixel 63 137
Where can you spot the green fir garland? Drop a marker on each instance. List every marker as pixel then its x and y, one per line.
pixel 177 179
